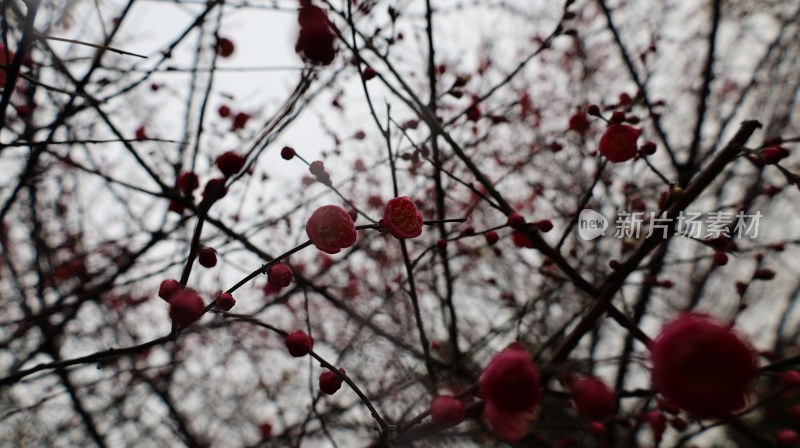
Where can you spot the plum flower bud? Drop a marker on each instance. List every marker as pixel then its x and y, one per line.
pixel 299 344
pixel 187 182
pixel 207 257
pixel 618 143
pixel 329 382
pixel 280 275
pixel 185 307
pixel 168 288
pixel 315 42
pixel 224 47
pixel 511 389
pixel 447 411
pixel 787 438
pixel 516 221
pixel 265 428
pixel 592 397
pixel 402 219
pixel 579 122
pixel 287 153
pixel 702 366
pixel 330 228
pixel 225 301
pixel 230 163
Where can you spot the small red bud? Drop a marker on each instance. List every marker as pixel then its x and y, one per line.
pixel 207 257
pixel 648 148
pixel 764 274
pixel 299 343
pixel 447 411
pixel 596 428
pixel 168 288
pixel 185 307
pixel 720 259
pixel 369 73
pixel 617 117
pixel 240 121
pixel 787 438
pixel 287 152
pixel 224 47
pixel 592 397
pixel 329 382
pixel 265 429
pixel 225 301
pixel 230 163
pixel 316 168
pixel 516 221
pixel 280 275
pixel 544 225
pixel 141 133
pixel 491 237
pixel 773 154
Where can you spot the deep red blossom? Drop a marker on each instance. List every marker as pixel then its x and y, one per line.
pixel 287 153
pixel 240 121
pixel 265 428
pixel 207 257
pixel 447 411
pixel 369 73
pixel 280 275
pixel 773 154
pixel 215 189
pixel 168 288
pixel 225 301
pixel 702 366
pixel 330 382
pixel 141 133
pixel 316 168
pixel 474 112
pixel 316 40
pixel 618 143
pixel 402 219
pixel 187 182
pixel 516 221
pixel 592 397
pixel 511 390
pixel 330 228
pixel 521 240
pixel 787 438
pixel 230 163
pixel 544 225
pixel 299 343
pixel 579 122
pixel 185 307
pixel 224 47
